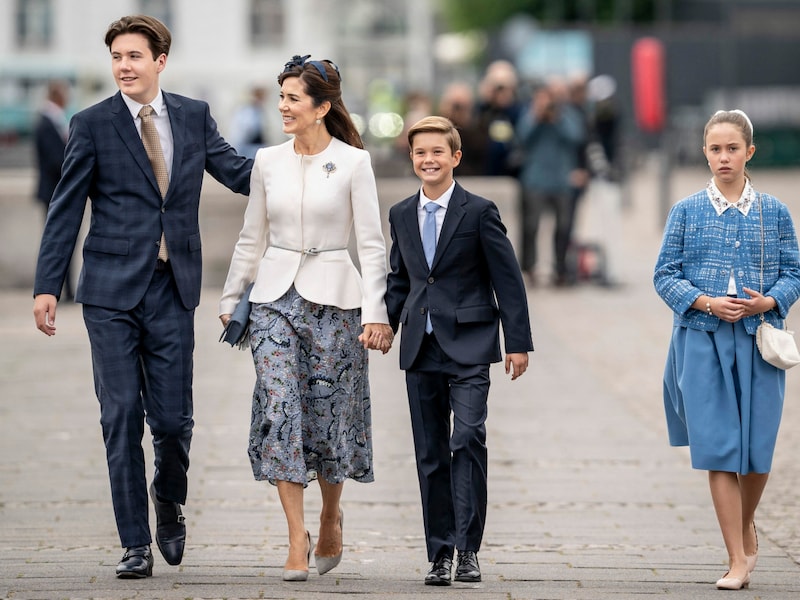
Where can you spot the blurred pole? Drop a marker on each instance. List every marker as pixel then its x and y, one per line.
pixel 649 102
pixel 419 66
pixel 664 20
pixel 664 175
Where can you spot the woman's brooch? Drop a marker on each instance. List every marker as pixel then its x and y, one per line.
pixel 329 168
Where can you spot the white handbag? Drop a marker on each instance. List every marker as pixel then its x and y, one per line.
pixel 777 346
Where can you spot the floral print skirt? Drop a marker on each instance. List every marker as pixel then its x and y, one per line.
pixel 311 411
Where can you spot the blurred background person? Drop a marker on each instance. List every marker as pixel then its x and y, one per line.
pixel 499 110
pixel 458 104
pixel 50 140
pixel 603 198
pixel 576 101
pixel 606 121
pixel 415 105
pixel 248 129
pixel 549 134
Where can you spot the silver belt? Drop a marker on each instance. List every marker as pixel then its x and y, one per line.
pixel 311 251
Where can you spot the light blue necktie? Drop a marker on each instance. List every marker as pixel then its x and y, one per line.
pixel 429 231
pixel 429 245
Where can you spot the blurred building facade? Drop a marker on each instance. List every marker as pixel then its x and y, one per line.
pixel 220 50
pixel 717 53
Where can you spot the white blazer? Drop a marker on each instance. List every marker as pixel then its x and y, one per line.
pixel 297 225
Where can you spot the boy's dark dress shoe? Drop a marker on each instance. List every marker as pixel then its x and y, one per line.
pixel 170 529
pixel 136 563
pixel 440 572
pixel 468 570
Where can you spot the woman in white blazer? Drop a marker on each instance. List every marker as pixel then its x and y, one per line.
pixel 311 414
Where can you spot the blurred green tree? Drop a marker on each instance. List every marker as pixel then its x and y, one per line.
pixel 463 15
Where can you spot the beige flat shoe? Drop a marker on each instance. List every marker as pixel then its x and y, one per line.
pixel 733 583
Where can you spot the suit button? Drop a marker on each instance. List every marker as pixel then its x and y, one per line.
pixel 431 280
pixel 422 310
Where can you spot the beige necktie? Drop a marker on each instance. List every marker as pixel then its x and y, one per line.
pixel 152 146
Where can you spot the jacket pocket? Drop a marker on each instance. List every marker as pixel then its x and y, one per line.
pixel 194 242
pixel 476 314
pixel 106 245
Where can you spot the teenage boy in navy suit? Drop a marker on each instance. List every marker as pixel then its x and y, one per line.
pixel 140 281
pixel 454 277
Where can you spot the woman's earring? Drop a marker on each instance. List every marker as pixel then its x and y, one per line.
pixel 319 121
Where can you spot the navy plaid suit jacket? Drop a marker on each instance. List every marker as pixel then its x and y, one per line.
pixel 106 162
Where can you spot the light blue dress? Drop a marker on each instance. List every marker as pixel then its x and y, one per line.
pixel 722 399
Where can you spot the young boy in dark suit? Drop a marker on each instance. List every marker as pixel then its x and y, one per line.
pixel 454 277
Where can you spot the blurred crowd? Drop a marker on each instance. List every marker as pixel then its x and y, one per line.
pixel 559 138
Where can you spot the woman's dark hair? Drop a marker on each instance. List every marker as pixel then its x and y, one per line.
pixel 322 82
pixel 159 39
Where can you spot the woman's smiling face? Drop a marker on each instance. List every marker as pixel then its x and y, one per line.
pixel 297 108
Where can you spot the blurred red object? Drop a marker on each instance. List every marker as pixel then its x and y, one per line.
pixel 647 77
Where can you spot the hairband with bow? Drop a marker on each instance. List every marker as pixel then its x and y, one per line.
pixel 301 61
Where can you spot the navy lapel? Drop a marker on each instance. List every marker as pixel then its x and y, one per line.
pixel 123 123
pixel 452 218
pixel 177 122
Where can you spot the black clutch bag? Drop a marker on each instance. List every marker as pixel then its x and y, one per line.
pixel 235 332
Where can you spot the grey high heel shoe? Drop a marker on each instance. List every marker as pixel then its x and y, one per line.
pixel 326 563
pixel 299 574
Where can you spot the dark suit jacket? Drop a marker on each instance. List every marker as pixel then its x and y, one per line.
pixel 106 162
pixel 49 147
pixel 473 284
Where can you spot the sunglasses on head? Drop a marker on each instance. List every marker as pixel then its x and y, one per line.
pixel 301 61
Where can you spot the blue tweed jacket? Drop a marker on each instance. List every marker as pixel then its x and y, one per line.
pixel 700 250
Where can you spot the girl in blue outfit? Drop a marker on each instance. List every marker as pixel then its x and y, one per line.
pixel 721 398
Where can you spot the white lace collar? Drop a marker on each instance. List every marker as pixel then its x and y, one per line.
pixel 721 204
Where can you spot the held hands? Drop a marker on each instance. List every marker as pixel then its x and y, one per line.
pixel 44 313
pixel 377 336
pixel 732 310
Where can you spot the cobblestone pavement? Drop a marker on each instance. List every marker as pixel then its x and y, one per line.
pixel 587 500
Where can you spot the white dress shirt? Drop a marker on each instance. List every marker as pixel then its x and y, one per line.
pixel 442 201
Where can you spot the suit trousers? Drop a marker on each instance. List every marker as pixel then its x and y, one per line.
pixel 142 362
pixel 451 466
